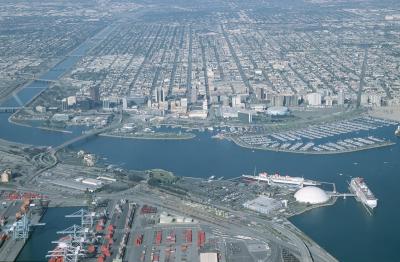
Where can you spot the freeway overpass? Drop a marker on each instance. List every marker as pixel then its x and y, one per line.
pixel 49 158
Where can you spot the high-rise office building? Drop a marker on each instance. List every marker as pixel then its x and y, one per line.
pixel 95 93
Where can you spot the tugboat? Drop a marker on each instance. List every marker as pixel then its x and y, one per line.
pixel 397 132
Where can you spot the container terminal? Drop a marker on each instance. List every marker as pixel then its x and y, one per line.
pixel 153 215
pixel 20 212
pixel 127 231
pixel 152 224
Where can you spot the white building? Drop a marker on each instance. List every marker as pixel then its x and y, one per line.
pixel 311 195
pixel 340 98
pixel 375 100
pixel 92 182
pixel 89 159
pixel 6 176
pixel 328 101
pixel 198 114
pixel 106 178
pixel 278 111
pixel 258 107
pixel 184 103
pixel 205 105
pixel 40 109
pixel 71 100
pixel 228 112
pixel 364 99
pixel 209 257
pixel 314 99
pixel 258 72
pixel 237 101
pixel 60 117
pixel 106 104
pixel 124 103
pixel 166 218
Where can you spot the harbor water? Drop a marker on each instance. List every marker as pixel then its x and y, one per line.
pixel 344 229
pixel 40 241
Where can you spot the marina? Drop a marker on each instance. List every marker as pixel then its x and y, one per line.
pixel 339 137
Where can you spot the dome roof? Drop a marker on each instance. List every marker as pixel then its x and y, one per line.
pixel 311 195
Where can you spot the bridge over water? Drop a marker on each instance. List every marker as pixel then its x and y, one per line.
pixel 49 158
pixel 91 133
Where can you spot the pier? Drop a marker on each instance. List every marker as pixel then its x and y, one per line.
pixel 9 109
pixel 344 195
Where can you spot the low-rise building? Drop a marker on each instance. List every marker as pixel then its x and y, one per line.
pixel 92 182
pixel 209 257
pixel 263 204
pixel 6 176
pixel 60 117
